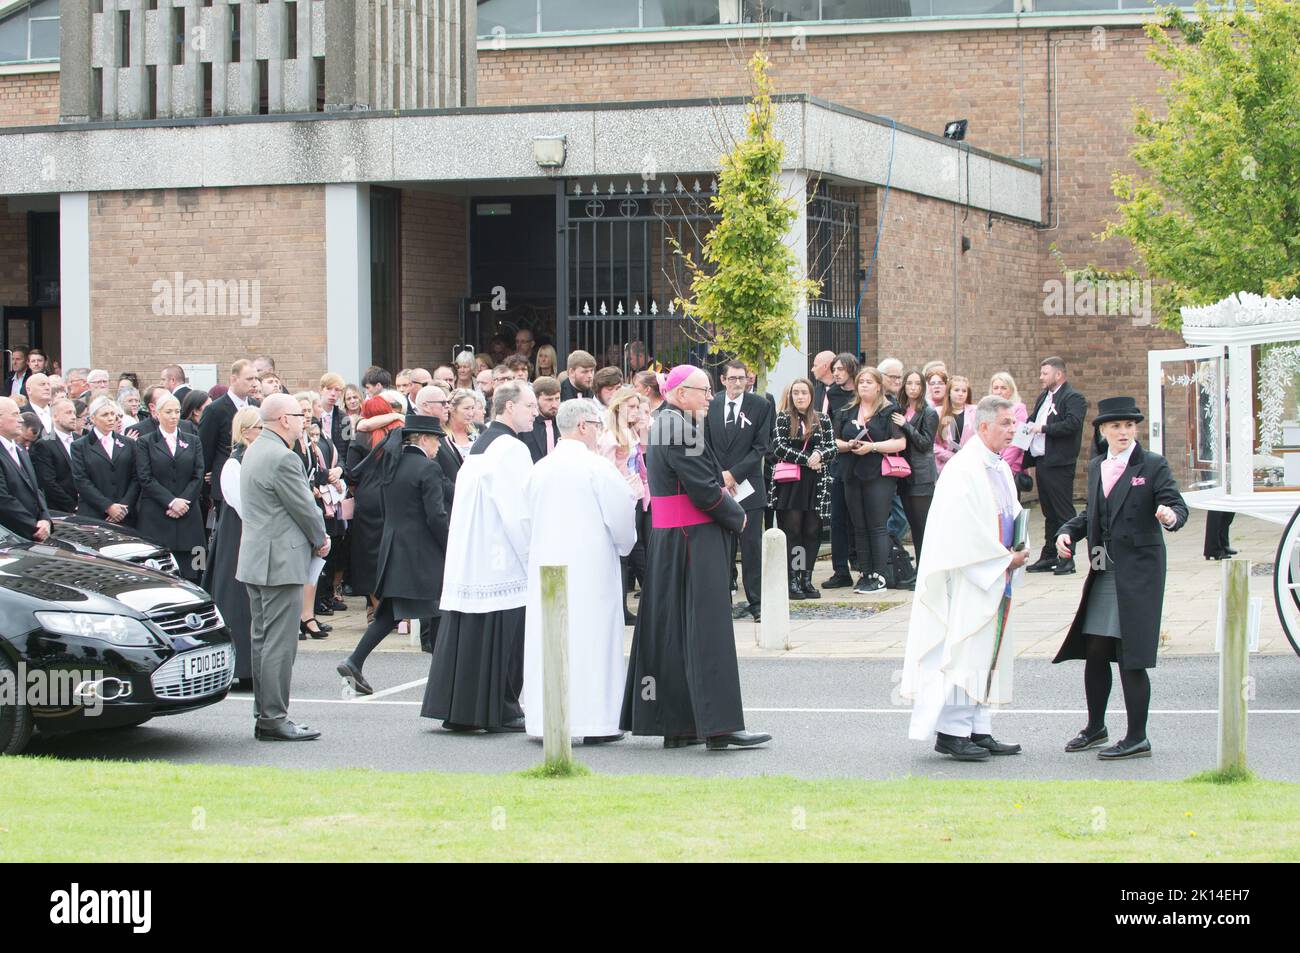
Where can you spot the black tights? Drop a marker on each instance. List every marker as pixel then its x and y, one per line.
pixel 379 629
pixel 917 509
pixel 1100 652
pixel 803 537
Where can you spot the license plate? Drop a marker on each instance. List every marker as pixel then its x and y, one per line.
pixel 199 664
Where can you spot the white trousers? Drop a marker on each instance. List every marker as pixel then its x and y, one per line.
pixel 965 720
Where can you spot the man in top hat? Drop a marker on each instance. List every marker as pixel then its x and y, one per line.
pixel 1131 495
pixel 412 551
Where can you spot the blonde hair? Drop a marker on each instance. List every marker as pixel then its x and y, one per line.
pixel 618 428
pixel 548 350
pixel 332 380
pixel 875 375
pixel 244 418
pixel 1005 378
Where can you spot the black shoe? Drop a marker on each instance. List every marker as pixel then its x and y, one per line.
pixel 796 587
pixel 961 749
pixel 601 739
pixel 740 611
pixel 310 629
pixel 993 746
pixel 1064 567
pixel 1230 552
pixel 338 605
pixel 908 585
pixel 810 591
pixel 515 724
pixel 755 613
pixel 1085 739
pixel 682 742
pixel 352 675
pixel 323 608
pixel 457 726
pixel 839 580
pixel 866 584
pixel 741 739
pixel 1043 565
pixel 1126 749
pixel 286 732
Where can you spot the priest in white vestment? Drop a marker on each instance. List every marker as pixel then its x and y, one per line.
pixel 957 666
pixel 580 512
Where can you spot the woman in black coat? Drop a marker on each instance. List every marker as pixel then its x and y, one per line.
pixel 864 434
pixel 106 480
pixel 802 437
pixel 919 423
pixel 413 545
pixel 169 466
pixel 1131 495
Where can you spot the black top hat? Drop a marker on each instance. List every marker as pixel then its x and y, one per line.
pixel 1117 408
pixel 419 423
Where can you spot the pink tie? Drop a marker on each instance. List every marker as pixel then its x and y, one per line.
pixel 550 436
pixel 108 446
pixel 1111 474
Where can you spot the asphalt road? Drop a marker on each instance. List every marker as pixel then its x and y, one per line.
pixel 828 717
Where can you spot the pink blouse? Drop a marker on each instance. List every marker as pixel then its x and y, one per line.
pixel 1014 456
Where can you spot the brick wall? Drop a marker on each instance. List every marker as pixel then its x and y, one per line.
pixel 29 99
pixel 13 257
pixel 274 236
pixel 924 80
pixel 435 275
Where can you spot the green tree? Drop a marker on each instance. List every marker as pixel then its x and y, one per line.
pixel 1218 209
pixel 747 287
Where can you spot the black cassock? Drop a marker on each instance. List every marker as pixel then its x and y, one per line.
pixel 682 678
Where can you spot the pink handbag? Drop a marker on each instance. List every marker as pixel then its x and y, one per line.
pixel 893 465
pixel 787 472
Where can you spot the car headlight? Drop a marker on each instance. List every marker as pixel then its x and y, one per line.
pixel 116 629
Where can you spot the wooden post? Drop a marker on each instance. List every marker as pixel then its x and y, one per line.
pixel 1233 664
pixel 774 630
pixel 556 745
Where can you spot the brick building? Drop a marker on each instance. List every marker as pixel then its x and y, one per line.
pixel 370 168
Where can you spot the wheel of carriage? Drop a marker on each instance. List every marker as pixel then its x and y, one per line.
pixel 1286 581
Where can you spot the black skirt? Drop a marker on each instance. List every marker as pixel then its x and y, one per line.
pixel 798 494
pixel 230 595
pixel 477 670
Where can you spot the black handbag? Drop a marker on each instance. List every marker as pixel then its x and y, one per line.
pixel 1024 482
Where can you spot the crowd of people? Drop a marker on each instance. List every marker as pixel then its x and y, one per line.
pixel 437 495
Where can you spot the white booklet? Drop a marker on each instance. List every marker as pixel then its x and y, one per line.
pixel 1024 436
pixel 742 490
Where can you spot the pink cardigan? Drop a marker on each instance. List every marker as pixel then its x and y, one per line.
pixel 1014 456
pixel 608 448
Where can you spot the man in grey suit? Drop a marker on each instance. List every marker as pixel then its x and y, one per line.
pixel 282 530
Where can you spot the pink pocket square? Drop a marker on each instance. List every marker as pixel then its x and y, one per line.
pixel 1139 481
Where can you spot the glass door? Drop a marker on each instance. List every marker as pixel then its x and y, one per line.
pixel 1188 423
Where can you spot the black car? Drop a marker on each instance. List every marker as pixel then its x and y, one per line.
pixel 88 642
pixel 98 538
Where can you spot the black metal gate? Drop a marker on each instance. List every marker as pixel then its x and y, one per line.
pixel 618 272
pixel 834 260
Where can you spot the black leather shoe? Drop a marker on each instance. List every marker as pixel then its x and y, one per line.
pixel 457 726
pixel 1064 567
pixel 515 724
pixel 352 675
pixel 810 591
pixel 323 608
pixel 839 580
pixel 1230 552
pixel 796 589
pixel 338 605
pixel 1126 749
pixel 1043 565
pixel 755 613
pixel 311 629
pixel 961 749
pixel 682 742
pixel 740 611
pixel 601 739
pixel 1085 740
pixel 993 746
pixel 286 732
pixel 741 739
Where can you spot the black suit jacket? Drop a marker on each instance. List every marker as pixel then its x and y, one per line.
pixel 148 425
pixel 53 467
pixel 180 392
pixel 1133 539
pixel 102 482
pixel 336 435
pixel 22 383
pixel 742 448
pixel 22 503
pixel 214 434
pixel 1063 430
pixel 163 478
pixel 536 438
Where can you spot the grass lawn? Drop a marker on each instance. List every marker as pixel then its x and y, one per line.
pixel 114 811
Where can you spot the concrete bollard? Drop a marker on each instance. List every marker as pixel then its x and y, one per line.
pixel 557 747
pixel 774 630
pixel 1233 664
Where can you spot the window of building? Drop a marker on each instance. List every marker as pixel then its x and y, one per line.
pixel 31 34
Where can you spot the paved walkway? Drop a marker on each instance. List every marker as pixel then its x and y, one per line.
pixel 1041 614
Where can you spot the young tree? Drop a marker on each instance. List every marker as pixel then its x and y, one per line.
pixel 747 288
pixel 1218 210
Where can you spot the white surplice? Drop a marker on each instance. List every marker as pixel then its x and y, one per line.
pixel 487 545
pixel 580 513
pixel 951 636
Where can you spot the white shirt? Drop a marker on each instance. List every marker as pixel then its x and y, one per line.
pixel 1038 446
pixel 733 410
pixel 12 449
pixel 171 439
pixel 66 439
pixel 239 402
pixel 45 414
